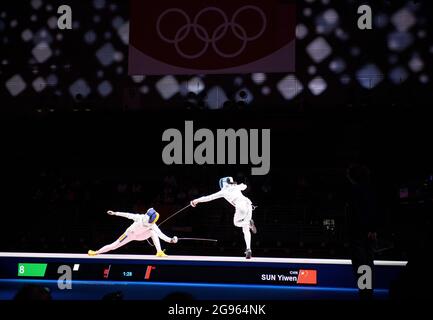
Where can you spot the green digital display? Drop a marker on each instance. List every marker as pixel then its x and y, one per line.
pixel 32 269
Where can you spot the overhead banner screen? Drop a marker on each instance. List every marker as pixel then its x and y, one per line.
pixel 211 37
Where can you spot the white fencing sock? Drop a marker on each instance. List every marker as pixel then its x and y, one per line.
pixel 247 236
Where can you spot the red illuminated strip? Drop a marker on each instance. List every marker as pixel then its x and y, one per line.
pixel 107 272
pixel 148 272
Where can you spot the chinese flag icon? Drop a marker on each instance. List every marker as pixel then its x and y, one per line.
pixel 307 277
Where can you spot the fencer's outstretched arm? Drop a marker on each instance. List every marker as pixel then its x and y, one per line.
pixel 217 195
pixel 162 235
pixel 131 216
pixel 211 197
pixel 242 186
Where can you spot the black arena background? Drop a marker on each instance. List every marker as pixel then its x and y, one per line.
pixel 79 136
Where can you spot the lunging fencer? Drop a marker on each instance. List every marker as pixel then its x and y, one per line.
pixel 143 228
pixel 232 192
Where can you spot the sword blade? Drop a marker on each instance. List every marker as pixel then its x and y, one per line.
pixel 199 239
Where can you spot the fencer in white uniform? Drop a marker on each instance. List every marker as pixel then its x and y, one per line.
pixel 232 192
pixel 143 228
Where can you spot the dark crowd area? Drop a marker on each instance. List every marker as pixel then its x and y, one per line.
pixel 58 190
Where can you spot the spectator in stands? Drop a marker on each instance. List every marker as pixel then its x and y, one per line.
pixel 179 296
pixel 33 293
pixel 113 296
pixel 362 221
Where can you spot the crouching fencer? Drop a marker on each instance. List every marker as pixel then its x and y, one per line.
pixel 232 192
pixel 143 228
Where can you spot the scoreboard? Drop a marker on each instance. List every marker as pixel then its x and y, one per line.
pixel 223 270
pixel 156 272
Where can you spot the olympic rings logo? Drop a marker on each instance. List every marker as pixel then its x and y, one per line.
pixel 217 35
